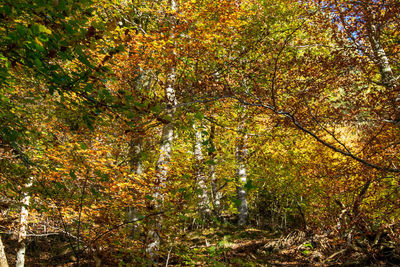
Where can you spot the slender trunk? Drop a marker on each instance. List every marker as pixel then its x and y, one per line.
pixel 215 192
pixel 3 257
pixel 204 200
pixel 167 138
pixel 143 82
pixel 136 148
pixel 387 78
pixel 355 214
pixel 381 58
pixel 162 166
pixel 168 129
pixel 241 174
pixel 20 261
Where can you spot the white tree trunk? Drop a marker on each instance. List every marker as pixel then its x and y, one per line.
pixel 167 136
pixel 3 257
pixel 162 166
pixel 20 261
pixel 204 200
pixel 216 194
pixel 387 78
pixel 136 148
pixel 241 174
pixel 381 58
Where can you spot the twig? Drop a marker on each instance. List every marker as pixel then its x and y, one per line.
pixel 169 253
pixel 80 216
pixel 335 254
pixel 117 227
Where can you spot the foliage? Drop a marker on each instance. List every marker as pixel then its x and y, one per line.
pixel 83 104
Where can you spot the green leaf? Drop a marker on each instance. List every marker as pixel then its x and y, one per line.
pixel 149 197
pixel 21 29
pixel 199 115
pixel 89 122
pixel 72 174
pixel 59 185
pixel 7 9
pixel 38 62
pixel 137 104
pixel 249 185
pixel 156 109
pixel 82 57
pixel 83 145
pixel 237 202
pixel 95 192
pixel 88 87
pixel 211 149
pixel 210 162
pixel 43 29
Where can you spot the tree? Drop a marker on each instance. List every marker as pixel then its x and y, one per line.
pixel 201 178
pixel 3 257
pixel 241 171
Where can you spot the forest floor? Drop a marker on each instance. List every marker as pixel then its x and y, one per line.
pixel 226 246
pixel 253 247
pixel 239 247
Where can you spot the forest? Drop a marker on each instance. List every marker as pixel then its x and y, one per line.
pixel 199 133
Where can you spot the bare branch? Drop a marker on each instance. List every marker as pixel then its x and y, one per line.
pixel 312 134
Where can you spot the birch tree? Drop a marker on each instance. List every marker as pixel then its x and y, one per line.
pixel 367 25
pixel 165 150
pixel 215 191
pixel 135 151
pixel 201 178
pixel 241 173
pixel 20 258
pixel 3 257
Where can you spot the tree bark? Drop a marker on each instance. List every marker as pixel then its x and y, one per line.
pixel 20 258
pixel 204 200
pixel 162 166
pixel 241 173
pixel 136 148
pixel 381 58
pixel 388 80
pixel 3 257
pixel 215 192
pixel 167 137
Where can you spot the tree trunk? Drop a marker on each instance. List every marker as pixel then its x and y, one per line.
pixel 167 138
pixel 162 166
pixel 3 257
pixel 20 261
pixel 382 61
pixel 136 148
pixel 215 191
pixel 241 174
pixel 204 200
pixel 381 58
